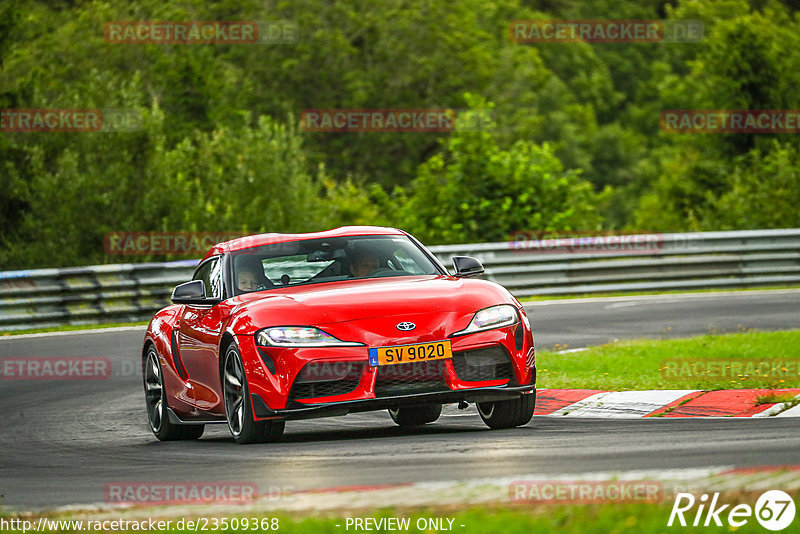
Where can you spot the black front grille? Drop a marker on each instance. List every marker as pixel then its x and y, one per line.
pixel 410 378
pixel 326 379
pixel 491 363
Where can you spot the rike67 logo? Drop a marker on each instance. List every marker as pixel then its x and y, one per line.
pixel 774 510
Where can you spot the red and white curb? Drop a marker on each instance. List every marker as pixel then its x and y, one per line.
pixel 665 403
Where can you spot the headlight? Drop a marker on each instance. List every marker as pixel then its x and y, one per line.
pixel 490 318
pixel 299 336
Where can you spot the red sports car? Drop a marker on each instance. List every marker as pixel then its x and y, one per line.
pixel 277 327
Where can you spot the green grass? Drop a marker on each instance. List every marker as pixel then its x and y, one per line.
pixel 522 519
pixel 68 328
pixel 774 397
pixel 638 364
pixel 539 298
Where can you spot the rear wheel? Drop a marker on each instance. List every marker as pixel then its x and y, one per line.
pixel 239 409
pixel 416 415
pixel 508 413
pixel 156 402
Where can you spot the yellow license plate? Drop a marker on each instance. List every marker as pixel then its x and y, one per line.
pixel 418 352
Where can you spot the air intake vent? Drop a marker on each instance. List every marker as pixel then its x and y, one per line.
pixel 325 379
pixel 410 378
pixel 491 363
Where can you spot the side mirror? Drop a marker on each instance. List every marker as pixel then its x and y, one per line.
pixel 467 266
pixel 193 292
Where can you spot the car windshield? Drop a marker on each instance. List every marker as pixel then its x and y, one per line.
pixel 326 260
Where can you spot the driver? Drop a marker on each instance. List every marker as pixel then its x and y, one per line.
pixel 363 263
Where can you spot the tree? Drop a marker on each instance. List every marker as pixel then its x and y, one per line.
pixel 764 192
pixel 747 60
pixel 476 191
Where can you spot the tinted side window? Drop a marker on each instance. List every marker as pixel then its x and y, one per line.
pixel 209 273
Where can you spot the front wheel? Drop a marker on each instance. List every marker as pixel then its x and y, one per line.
pixel 156 401
pixel 416 415
pixel 508 413
pixel 239 409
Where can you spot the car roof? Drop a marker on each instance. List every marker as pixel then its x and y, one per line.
pixel 259 240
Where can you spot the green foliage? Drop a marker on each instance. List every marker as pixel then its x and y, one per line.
pixel 764 192
pixel 262 168
pixel 476 191
pixel 747 61
pixel 249 179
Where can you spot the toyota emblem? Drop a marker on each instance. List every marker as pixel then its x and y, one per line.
pixel 405 326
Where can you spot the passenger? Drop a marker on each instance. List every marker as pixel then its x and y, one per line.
pixel 248 280
pixel 250 275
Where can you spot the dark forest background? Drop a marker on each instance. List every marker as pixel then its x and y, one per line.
pixel 573 143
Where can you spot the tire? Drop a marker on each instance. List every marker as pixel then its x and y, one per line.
pixel 238 408
pixel 415 415
pixel 508 413
pixel 156 403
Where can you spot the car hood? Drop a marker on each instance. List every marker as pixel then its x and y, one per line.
pixel 355 300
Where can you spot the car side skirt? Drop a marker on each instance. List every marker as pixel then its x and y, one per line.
pixel 176 420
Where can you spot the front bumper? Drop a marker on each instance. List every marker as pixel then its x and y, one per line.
pixel 273 375
pixel 330 409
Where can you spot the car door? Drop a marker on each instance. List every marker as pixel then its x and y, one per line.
pixel 199 337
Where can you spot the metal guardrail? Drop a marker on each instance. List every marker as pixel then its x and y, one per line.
pixel 655 262
pixel 88 295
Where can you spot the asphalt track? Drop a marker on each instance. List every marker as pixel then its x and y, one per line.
pixel 62 442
